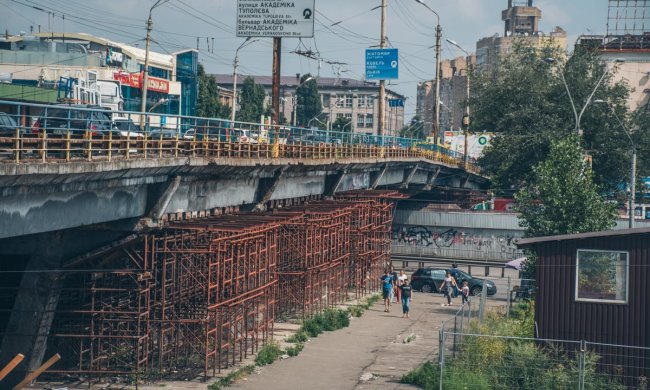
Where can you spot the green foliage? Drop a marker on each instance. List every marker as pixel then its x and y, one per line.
pixel 208 104
pixel 415 129
pixel 561 197
pixel 232 378
pixel 356 310
pixel 309 103
pixel 505 364
pixel 312 327
pixel 295 350
pixel 525 102
pixel 268 354
pixel 251 101
pixel 342 124
pixel 299 337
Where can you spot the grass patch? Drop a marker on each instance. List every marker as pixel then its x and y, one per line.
pixel 232 378
pixel 358 309
pixel 295 350
pixel 268 354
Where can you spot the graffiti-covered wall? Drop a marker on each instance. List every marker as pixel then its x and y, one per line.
pixel 462 235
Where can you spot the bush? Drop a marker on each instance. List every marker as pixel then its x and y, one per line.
pixel 231 378
pixel 312 327
pixel 356 311
pixel 425 376
pixel 268 354
pixel 295 350
pixel 299 337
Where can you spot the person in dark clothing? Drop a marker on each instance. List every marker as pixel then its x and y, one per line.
pixel 386 288
pixel 405 289
pixel 393 291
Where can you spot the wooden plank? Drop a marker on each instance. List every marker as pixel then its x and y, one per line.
pixel 29 378
pixel 11 365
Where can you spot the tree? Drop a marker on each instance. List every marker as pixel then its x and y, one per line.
pixel 561 197
pixel 308 100
pixel 525 103
pixel 342 124
pixel 251 101
pixel 208 104
pixel 415 129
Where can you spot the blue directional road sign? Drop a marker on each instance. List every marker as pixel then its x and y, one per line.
pixel 381 64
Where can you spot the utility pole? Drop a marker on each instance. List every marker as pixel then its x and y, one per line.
pixel 275 98
pixel 145 77
pixel 381 117
pixel 234 82
pixel 436 103
pixel 632 186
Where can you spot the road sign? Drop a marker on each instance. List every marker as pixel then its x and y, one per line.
pixel 395 102
pixel 278 19
pixel 381 64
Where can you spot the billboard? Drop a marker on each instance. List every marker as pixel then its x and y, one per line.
pixel 278 19
pixel 455 140
pixel 382 64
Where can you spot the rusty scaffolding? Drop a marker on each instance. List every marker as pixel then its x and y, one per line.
pixel 201 295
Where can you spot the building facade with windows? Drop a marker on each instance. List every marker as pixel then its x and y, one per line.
pixel 39 62
pixel 355 100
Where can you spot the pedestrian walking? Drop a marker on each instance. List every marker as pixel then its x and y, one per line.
pixel 455 273
pixel 465 292
pixel 393 275
pixel 400 280
pixel 447 287
pixel 405 293
pixel 387 287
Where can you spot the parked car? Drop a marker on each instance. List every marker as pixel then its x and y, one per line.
pixel 126 128
pixel 61 118
pixel 8 125
pixel 430 279
pixel 165 133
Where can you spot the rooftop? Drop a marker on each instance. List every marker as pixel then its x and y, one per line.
pixel 581 236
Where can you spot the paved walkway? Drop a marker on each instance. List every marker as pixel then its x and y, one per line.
pixel 373 344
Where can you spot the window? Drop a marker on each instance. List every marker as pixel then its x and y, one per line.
pixel 360 120
pixel 348 101
pixel 361 101
pixel 369 120
pixel 326 99
pixel 602 276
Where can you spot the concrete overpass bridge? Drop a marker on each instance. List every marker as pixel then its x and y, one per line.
pixel 66 193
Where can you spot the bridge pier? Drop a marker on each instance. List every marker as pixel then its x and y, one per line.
pixel 40 257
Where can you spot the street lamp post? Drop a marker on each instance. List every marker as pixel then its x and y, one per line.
pixel 578 116
pixel 631 198
pixel 233 109
pixel 436 106
pixel 145 77
pixel 468 60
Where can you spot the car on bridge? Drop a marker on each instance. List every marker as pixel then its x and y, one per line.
pixel 430 279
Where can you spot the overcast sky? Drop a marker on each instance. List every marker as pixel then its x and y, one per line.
pixel 410 29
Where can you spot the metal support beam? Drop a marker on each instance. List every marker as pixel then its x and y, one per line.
pixel 431 178
pixel 408 178
pixel 330 190
pixel 161 204
pixel 465 182
pixel 265 195
pixel 378 177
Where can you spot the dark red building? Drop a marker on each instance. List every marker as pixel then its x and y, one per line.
pixel 596 287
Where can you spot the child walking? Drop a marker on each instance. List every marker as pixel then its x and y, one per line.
pixel 405 290
pixel 465 292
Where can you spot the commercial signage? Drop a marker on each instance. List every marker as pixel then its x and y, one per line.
pixel 382 64
pixel 395 102
pixel 134 80
pixel 278 19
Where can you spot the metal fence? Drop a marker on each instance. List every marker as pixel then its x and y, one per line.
pixel 470 359
pixel 75 132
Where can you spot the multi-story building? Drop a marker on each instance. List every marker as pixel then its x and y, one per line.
pixel 521 23
pixel 39 61
pixel 341 98
pixel 453 95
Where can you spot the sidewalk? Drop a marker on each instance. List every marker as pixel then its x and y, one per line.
pixel 371 347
